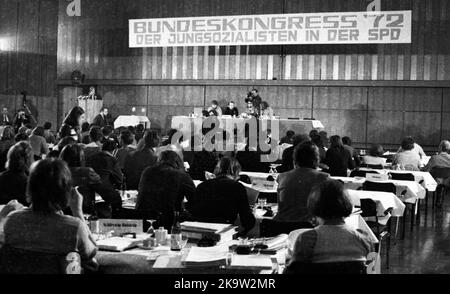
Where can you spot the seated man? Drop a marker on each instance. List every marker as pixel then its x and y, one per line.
pixel 408 157
pixel 287 157
pixel 416 148
pixel 295 186
pixel 215 109
pixel 348 145
pixel 231 109
pixel 440 160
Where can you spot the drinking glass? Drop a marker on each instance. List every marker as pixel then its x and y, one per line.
pixel 262 202
pixel 182 242
pixel 151 230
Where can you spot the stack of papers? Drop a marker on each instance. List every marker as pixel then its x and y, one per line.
pixel 206 256
pixel 205 227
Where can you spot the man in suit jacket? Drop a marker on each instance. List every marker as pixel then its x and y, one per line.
pixel 288 153
pixel 103 119
pixel 106 165
pixel 295 186
pixel 6 118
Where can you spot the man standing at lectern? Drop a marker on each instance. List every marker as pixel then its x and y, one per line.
pixel 103 119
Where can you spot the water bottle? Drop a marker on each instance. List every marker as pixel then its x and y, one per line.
pixel 175 233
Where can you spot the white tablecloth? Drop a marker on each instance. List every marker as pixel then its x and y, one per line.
pixel 131 120
pixel 414 190
pixel 428 183
pixel 384 201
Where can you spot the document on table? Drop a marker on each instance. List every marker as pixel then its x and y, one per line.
pixel 216 255
pixel 251 261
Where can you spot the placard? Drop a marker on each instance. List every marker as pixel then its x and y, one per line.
pixel 377 27
pixel 121 226
pixel 377 177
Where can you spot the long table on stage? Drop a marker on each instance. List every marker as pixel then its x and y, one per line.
pixel 299 126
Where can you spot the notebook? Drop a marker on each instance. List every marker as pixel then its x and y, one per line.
pixel 206 256
pixel 251 261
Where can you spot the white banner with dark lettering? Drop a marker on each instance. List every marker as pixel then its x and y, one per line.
pixel 378 27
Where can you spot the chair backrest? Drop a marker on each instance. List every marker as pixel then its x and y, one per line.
pixel 402 177
pixel 272 228
pixel 440 172
pixel 361 173
pixel 375 166
pixel 21 261
pixel 381 187
pixel 368 208
pixel 348 267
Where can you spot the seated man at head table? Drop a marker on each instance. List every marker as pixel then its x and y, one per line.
pixel 333 240
pixel 215 109
pixel 442 159
pixel 295 186
pixel 232 109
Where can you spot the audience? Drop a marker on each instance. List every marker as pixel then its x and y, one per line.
pixel 21 137
pixel 416 148
pixel 137 161
pixel 90 183
pixel 374 157
pixel 13 181
pixel 442 159
pixel 202 161
pixel 333 240
pixel 223 199
pixel 48 135
pixel 139 133
pixel 318 141
pixel 96 136
pixel 106 165
pixel 287 157
pixel 43 227
pixel 84 136
pixel 6 142
pixel 38 143
pixel 126 143
pixel 295 186
pixel 348 145
pixel 338 159
pixel 173 143
pixel 163 188
pixel 289 138
pixel 407 158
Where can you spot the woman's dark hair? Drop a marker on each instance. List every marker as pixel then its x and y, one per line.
pixel 335 141
pixel 66 141
pixel 8 133
pixel 376 150
pixel 85 127
pixel 19 157
pixel 228 166
pixel 107 131
pixel 49 186
pixel 329 200
pixel 39 131
pixel 109 146
pixel 73 155
pixel 21 137
pixel 317 140
pixel 290 134
pixel 47 125
pixel 151 139
pixel 96 134
pixel 306 155
pixel 300 138
pixel 314 133
pixel 126 138
pixel 347 141
pixel 140 128
pixel 73 116
pixel 214 102
pixel 408 143
pixel 172 159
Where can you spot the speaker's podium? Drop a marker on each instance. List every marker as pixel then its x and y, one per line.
pixel 91 107
pixel 131 120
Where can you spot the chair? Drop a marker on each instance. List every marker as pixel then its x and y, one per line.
pixel 272 228
pixel 349 267
pixel 369 210
pixel 442 176
pixel 361 173
pixel 26 262
pixel 375 166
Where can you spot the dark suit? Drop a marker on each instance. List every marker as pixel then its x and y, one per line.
pixel 339 160
pixel 135 164
pixel 221 200
pixel 231 112
pixel 102 121
pixel 294 188
pixel 107 166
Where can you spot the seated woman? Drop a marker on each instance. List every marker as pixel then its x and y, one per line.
pixel 163 187
pixel 89 183
pixel 408 157
pixel 338 159
pixel 13 181
pixel 43 227
pixel 374 157
pixel 442 159
pixel 222 199
pixel 333 241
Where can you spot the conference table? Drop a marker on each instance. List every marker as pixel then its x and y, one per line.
pixel 186 124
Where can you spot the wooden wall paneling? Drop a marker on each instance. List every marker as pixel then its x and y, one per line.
pixel 340 98
pixel 385 98
pixel 343 122
pixel 423 126
pixel 445 100
pixel 225 94
pixel 422 99
pixel 384 127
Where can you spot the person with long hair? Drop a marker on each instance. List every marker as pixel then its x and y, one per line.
pixel 338 159
pixel 13 181
pixel 222 199
pixel 6 142
pixel 72 123
pixel 163 187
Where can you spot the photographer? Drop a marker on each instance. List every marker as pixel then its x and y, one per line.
pixel 24 118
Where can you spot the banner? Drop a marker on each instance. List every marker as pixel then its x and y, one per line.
pixel 378 27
